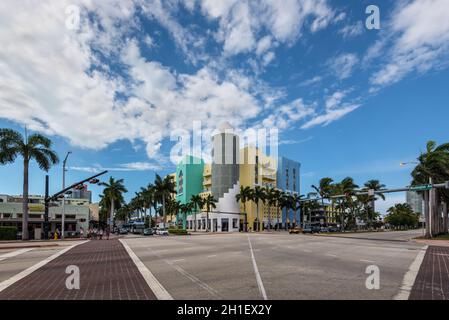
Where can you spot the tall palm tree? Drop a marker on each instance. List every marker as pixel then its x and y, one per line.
pixel 164 188
pixel 376 186
pixel 244 196
pixel 198 203
pixel 285 203
pixel 35 147
pixel 258 195
pixel 324 189
pixel 433 165
pixel 113 190
pixel 210 203
pixel 295 205
pixel 348 188
pixel 272 197
pixel 185 208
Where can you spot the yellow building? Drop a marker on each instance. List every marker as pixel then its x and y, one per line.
pixel 258 169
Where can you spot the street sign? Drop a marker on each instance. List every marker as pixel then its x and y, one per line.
pixel 371 192
pixel 423 187
pixel 446 184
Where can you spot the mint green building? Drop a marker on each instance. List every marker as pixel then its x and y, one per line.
pixel 189 179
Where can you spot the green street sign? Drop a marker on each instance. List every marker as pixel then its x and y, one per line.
pixel 424 187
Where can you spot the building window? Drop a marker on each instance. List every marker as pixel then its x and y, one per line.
pixel 286 178
pixel 181 182
pixel 294 180
pixel 235 223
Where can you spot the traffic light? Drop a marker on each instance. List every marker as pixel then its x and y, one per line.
pixel 94 181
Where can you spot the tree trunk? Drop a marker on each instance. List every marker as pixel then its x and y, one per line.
pixel 207 220
pixel 25 235
pixel 111 223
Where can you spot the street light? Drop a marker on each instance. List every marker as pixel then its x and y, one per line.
pixel 63 195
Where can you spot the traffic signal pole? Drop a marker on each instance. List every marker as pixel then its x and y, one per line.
pixel 54 197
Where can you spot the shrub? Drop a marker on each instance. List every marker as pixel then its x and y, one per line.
pixel 178 231
pixel 8 233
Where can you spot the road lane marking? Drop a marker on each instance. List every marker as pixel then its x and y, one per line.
pixel 5 284
pixel 158 290
pixel 368 261
pixel 13 253
pixel 195 280
pixel 410 276
pixel 331 255
pixel 179 260
pixel 211 256
pixel 256 271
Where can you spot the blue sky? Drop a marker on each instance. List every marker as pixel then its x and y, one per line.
pixel 112 88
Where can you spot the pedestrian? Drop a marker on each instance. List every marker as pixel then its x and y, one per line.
pixel 101 234
pixel 81 233
pixel 95 233
pixel 56 234
pixel 108 231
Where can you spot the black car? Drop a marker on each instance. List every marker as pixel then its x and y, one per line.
pixel 148 232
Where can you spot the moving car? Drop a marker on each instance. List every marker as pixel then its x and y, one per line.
pixel 162 231
pixel 123 231
pixel 148 232
pixel 295 230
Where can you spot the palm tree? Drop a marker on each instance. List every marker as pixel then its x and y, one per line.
pixel 164 188
pixel 186 208
pixel 244 196
pixel 37 147
pixel 258 195
pixel 209 203
pixel 272 197
pixel 285 202
pixel 295 204
pixel 113 191
pixel 198 203
pixel 348 189
pixel 324 189
pixel 433 166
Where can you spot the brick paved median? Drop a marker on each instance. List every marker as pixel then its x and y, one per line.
pixel 432 281
pixel 106 273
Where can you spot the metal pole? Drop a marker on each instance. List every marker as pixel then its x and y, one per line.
pixel 430 208
pixel 46 202
pixel 63 198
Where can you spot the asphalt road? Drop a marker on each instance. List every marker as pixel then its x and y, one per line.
pixel 220 266
pixel 387 235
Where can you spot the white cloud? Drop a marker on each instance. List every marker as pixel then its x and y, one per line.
pixel 133 166
pixel 330 116
pixel 419 40
pixel 244 24
pixel 351 31
pixel 343 65
pixel 285 116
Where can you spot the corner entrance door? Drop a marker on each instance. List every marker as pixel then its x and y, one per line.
pixel 215 225
pixel 224 225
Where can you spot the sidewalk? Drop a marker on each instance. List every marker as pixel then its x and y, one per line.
pixel 432 281
pixel 20 244
pixel 106 273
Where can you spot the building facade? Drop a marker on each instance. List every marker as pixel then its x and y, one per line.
pixel 288 180
pixel 77 214
pixel 231 168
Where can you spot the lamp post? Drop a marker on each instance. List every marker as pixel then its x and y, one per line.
pixel 63 198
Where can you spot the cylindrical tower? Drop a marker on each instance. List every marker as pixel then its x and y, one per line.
pixel 225 169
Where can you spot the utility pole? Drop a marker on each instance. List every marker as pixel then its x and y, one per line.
pixel 63 199
pixel 54 197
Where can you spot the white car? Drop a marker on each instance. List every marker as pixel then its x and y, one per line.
pixel 162 232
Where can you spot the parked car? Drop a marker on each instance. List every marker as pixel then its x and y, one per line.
pixel 324 229
pixel 162 232
pixel 332 229
pixel 316 229
pixel 295 230
pixel 123 231
pixel 307 229
pixel 148 232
